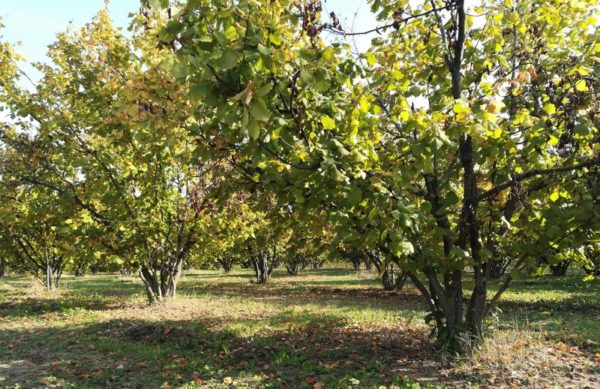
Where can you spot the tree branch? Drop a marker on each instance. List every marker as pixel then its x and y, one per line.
pixel 538 172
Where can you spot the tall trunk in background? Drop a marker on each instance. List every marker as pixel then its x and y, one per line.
pixel 80 269
pixel 262 267
pixel 53 272
pixel 294 265
pixel 391 278
pixel 226 264
pixel 560 269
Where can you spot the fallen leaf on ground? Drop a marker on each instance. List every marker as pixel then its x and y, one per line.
pixel 310 380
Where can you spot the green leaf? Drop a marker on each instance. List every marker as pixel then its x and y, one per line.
pixel 207 93
pixel 355 196
pixel 402 248
pixel 329 54
pixel 259 110
pixel 171 30
pixel 158 4
pixel 230 33
pixel 264 50
pixel 253 129
pixel 228 59
pixel 262 91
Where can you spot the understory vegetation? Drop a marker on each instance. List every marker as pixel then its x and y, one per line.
pixel 250 193
pixel 331 328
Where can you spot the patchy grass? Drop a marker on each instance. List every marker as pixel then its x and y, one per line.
pixel 331 328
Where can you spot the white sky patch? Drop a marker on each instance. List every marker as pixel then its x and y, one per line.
pixel 32 25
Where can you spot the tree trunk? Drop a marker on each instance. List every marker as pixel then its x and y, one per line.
pixel 226 264
pixel 388 278
pixel 294 266
pixel 593 256
pixel 2 267
pixel 161 284
pixel 262 268
pixel 400 280
pixel 53 273
pixel 560 269
pixel 498 268
pixel 125 272
pixel 391 278
pixel 80 269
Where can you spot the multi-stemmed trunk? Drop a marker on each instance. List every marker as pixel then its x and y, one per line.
pixel 160 282
pixel 53 272
pixel 294 266
pixel 498 268
pixel 391 278
pixel 226 264
pixel 261 262
pixel 560 269
pixel 40 260
pixel 458 319
pixel 354 256
pixel 80 269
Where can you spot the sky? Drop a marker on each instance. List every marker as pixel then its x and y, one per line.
pixel 34 23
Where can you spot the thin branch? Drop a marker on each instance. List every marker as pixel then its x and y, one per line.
pixel 538 172
pixel 384 27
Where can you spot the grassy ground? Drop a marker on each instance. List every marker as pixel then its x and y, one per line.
pixel 328 328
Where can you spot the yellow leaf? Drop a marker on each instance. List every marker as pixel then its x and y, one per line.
pixel 459 107
pixel 497 133
pixel 329 54
pixel 581 86
pixel 491 107
pixel 550 108
pixel 327 122
pixel 364 104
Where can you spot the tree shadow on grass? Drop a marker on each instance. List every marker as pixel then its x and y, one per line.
pixel 408 298
pixel 572 283
pixel 139 353
pixel 109 286
pixel 31 307
pixel 552 294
